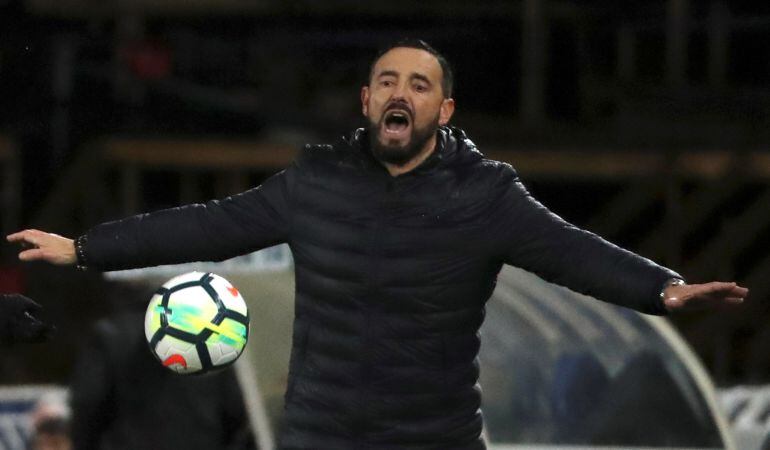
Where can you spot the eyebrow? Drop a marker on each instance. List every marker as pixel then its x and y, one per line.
pixel 413 76
pixel 419 76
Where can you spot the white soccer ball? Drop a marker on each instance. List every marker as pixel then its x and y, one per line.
pixel 196 322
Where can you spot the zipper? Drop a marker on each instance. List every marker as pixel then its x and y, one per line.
pixel 373 289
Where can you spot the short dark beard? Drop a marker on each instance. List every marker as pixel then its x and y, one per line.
pixel 396 154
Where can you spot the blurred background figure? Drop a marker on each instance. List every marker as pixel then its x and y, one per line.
pixel 50 423
pixel 21 320
pixel 123 399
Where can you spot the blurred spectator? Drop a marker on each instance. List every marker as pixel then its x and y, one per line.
pixel 50 424
pixel 122 398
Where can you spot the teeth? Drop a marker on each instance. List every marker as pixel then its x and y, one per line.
pixel 399 116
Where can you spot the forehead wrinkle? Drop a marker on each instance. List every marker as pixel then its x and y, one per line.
pixel 388 73
pixel 412 76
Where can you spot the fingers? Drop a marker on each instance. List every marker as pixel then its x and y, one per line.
pixel 15 237
pixel 739 291
pixel 24 236
pixel 721 287
pixel 729 292
pixel 698 296
pixel 27 237
pixel 716 286
pixel 34 254
pixel 31 236
pixel 45 246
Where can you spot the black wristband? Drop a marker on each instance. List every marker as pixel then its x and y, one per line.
pixel 80 252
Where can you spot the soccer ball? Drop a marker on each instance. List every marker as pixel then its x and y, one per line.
pixel 196 322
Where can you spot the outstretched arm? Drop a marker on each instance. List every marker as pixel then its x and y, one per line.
pixel 213 231
pixel 537 240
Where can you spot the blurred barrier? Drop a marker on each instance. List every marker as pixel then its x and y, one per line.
pixel 17 404
pixel 748 410
pixel 563 370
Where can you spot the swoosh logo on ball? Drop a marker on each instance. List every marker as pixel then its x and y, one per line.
pixel 175 359
pixel 233 291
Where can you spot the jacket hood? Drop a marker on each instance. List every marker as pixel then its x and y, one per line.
pixel 456 148
pixel 453 148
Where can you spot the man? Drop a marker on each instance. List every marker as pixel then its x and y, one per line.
pixel 398 233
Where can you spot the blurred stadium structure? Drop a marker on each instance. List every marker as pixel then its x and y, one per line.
pixel 748 409
pixel 16 406
pixel 644 121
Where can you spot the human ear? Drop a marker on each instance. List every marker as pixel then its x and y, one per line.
pixel 365 100
pixel 446 111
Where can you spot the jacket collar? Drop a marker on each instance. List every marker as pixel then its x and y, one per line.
pixel 453 148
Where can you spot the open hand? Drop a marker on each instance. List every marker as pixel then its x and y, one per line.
pixel 47 247
pixel 701 296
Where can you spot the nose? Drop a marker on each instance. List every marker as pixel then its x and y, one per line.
pixel 398 99
pixel 399 93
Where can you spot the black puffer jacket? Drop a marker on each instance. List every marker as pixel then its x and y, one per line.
pixel 392 274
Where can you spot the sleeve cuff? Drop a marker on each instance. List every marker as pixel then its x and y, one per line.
pixel 80 252
pixel 670 282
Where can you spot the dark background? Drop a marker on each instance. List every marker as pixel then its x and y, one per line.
pixel 589 77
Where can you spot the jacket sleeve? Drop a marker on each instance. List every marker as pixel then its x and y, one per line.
pixel 214 231
pixel 535 239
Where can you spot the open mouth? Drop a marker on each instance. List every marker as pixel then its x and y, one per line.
pixel 396 121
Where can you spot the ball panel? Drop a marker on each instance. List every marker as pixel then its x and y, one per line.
pixel 190 309
pixel 231 333
pixel 203 354
pixel 229 294
pixel 188 277
pixel 178 355
pixel 152 317
pixel 221 354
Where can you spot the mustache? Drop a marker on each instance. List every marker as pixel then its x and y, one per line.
pixel 398 105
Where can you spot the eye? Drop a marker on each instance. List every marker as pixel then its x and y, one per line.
pixel 420 88
pixel 386 83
